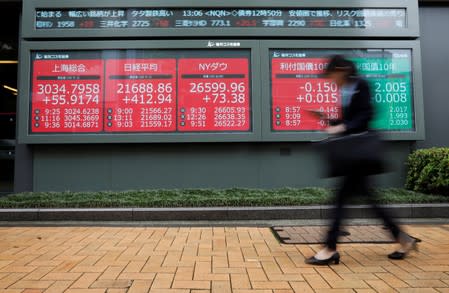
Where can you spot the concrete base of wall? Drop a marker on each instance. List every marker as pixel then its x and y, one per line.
pixel 417 211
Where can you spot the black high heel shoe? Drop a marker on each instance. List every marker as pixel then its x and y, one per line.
pixel 335 258
pixel 401 255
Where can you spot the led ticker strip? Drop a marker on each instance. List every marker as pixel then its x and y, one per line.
pixel 111 92
pixel 162 18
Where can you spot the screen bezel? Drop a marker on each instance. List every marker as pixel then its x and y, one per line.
pixel 25 136
pixel 418 133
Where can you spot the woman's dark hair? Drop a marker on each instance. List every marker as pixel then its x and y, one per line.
pixel 338 63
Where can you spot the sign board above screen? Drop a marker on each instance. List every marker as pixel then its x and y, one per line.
pixel 170 18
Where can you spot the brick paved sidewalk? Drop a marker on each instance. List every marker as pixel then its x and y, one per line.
pixel 201 260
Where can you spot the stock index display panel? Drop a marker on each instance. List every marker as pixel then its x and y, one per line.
pixel 209 91
pixel 299 88
pixel 140 91
pixel 303 101
pixel 159 94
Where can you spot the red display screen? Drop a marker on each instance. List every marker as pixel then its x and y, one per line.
pixel 146 91
pixel 140 95
pixel 67 96
pixel 214 94
pixel 302 100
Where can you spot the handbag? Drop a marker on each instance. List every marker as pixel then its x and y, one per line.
pixel 355 154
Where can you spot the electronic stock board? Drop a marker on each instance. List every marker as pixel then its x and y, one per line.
pixel 211 89
pixel 296 88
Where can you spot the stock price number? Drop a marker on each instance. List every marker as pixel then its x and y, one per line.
pixel 79 124
pixel 156 124
pixel 81 117
pixel 390 92
pixel 321 92
pixel 229 116
pixel 72 94
pixel 399 116
pixel 399 122
pixel 220 92
pixel 149 111
pixel 146 93
pixel 330 112
pixel 163 119
pixel 158 117
pixel 229 123
pixel 84 111
pixel 229 110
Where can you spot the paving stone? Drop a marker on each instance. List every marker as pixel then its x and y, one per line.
pixel 213 259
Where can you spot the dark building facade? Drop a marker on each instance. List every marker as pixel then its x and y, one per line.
pixel 255 159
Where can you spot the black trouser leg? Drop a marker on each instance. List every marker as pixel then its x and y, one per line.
pixel 387 218
pixel 357 185
pixel 341 197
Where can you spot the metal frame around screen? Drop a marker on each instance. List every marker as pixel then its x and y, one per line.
pixel 29 7
pixel 267 135
pixel 135 137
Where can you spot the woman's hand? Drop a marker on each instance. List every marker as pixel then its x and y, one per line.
pixel 336 129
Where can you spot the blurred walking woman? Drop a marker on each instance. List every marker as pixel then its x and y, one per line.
pixel 357 113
